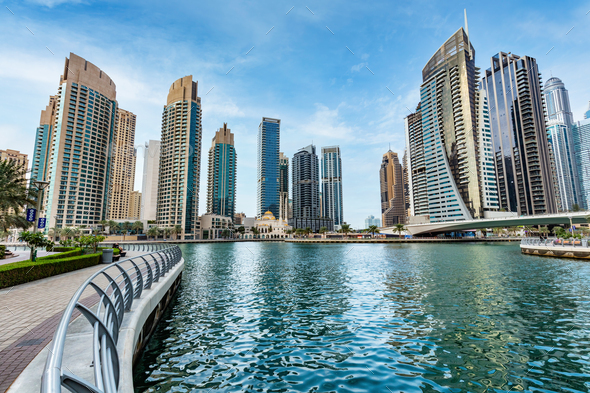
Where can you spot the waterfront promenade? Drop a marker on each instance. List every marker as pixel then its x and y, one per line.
pixel 29 315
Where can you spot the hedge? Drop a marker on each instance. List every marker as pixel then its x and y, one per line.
pixel 67 254
pixel 2 250
pixel 61 249
pixel 21 272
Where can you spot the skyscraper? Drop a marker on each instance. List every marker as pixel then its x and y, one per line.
pixel 306 183
pixel 269 136
pixel 581 133
pixel 393 199
pixel 123 159
pixel 221 184
pixel 149 185
pixel 78 166
pixel 180 158
pixel 42 141
pixel 522 153
pixel 371 220
pixel 332 184
pixel 450 173
pixel 587 113
pixel 283 187
pixel 134 210
pixel 559 132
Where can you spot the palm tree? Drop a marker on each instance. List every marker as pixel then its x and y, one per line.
pixel 167 231
pixel 112 226
pixel 103 224
pixel 544 231
pixel 153 232
pixel 323 231
pixel 345 228
pixel 308 231
pixel 373 229
pixel 399 228
pixel 137 226
pixel 177 230
pixel 53 233
pixel 255 231
pixel 13 195
pixel 299 232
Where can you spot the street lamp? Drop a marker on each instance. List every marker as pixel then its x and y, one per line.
pixel 571 225
pixel 41 185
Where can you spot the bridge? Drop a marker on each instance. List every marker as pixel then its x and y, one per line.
pixel 499 222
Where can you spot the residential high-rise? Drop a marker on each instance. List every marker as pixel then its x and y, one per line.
pixel 221 184
pixel 371 220
pixel 406 184
pixel 521 149
pixel 393 200
pixel 581 133
pixel 306 183
pixel 587 113
pixel 180 159
pixel 283 187
pixel 123 159
pixel 450 174
pixel 332 206
pixel 42 141
pixel 78 165
pixel 267 198
pixel 559 132
pixel 149 185
pixel 134 210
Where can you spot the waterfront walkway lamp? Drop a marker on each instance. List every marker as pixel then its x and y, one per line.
pixel 41 185
pixel 571 226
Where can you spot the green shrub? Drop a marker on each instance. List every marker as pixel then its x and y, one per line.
pixel 2 250
pixel 116 251
pixel 62 249
pixel 26 271
pixel 67 254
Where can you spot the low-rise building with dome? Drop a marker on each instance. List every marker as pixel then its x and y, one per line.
pixel 271 228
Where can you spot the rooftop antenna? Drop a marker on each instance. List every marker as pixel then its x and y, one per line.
pixel 467 33
pixel 389 146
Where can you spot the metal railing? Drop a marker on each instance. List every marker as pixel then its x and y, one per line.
pixel 125 281
pixel 138 246
pixel 554 242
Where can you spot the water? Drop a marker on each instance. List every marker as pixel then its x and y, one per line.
pixel 273 317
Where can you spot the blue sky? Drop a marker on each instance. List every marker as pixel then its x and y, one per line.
pixel 300 71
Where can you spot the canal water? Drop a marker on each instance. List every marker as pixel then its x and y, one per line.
pixel 282 317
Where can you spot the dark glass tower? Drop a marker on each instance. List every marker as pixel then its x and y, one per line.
pixel 269 136
pixel 306 187
pixel 221 185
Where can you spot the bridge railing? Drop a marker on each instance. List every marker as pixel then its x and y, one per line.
pixel 554 242
pixel 115 287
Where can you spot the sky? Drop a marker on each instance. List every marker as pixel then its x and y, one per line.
pixel 335 72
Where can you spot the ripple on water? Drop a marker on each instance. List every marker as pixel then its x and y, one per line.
pixel 371 318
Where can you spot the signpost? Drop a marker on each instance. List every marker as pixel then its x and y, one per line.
pixel 41 223
pixel 31 214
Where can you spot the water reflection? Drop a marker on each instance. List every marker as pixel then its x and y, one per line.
pixel 309 318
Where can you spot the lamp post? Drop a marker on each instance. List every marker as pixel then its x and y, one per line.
pixel 571 226
pixel 41 185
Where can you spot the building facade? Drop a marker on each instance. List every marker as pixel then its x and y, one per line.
pixel 221 183
pixel 268 184
pixel 149 185
pixel 78 164
pixel 306 184
pixel 283 187
pixel 180 159
pixel 123 157
pixel 371 220
pixel 581 134
pixel 559 131
pixel 522 153
pixel 332 206
pixel 43 137
pixel 134 205
pixel 393 200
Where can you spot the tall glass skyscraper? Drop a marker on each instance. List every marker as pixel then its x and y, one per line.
pixel 559 132
pixel 72 146
pixel 332 206
pixel 269 137
pixel 180 159
pixel 581 134
pixel 221 184
pixel 306 185
pixel 283 187
pixel 451 174
pixel 521 149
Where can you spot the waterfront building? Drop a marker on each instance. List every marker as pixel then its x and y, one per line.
pixel 43 138
pixel 450 174
pixel 393 200
pixel 180 159
pixel 522 152
pixel 314 223
pixel 581 133
pixel 283 187
pixel 306 183
pixel 371 220
pixel 268 185
pixel 134 205
pixel 559 131
pixel 406 184
pixel 271 228
pixel 239 218
pixel 331 203
pixel 123 157
pixel 221 183
pixel 78 158
pixel 149 185
pixel 212 225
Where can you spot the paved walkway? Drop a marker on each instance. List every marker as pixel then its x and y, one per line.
pixel 29 315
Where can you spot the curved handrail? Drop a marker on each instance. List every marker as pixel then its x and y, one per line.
pixel 118 296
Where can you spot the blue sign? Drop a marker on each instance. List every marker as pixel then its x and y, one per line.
pixel 31 214
pixel 41 223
